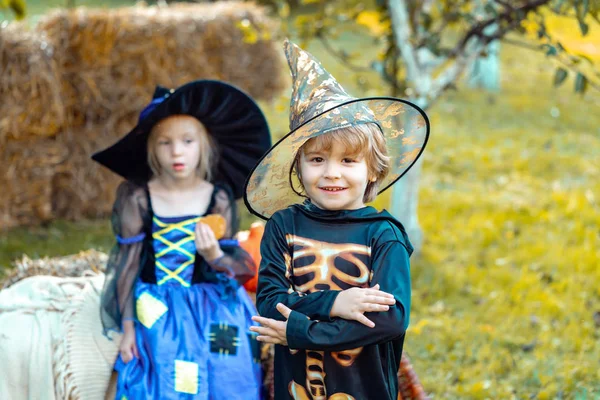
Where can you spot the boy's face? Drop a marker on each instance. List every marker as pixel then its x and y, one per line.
pixel 334 179
pixel 177 145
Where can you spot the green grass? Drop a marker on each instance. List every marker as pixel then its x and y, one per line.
pixel 506 287
pixel 58 238
pixel 507 284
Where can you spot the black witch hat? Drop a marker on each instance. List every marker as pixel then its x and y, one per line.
pixel 232 118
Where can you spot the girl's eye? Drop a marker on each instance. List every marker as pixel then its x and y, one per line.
pixel 163 143
pixel 188 141
pixel 316 159
pixel 348 160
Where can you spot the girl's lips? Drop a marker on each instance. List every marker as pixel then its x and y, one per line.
pixel 178 166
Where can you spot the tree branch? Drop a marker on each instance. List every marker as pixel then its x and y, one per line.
pixel 454 71
pixel 340 56
pixel 520 43
pixel 402 35
pixel 569 65
pixel 505 5
pixel 508 16
pixel 499 33
pixel 433 33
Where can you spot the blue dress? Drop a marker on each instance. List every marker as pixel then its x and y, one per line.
pixel 193 340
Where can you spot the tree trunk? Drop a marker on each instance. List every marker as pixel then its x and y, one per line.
pixel 484 73
pixel 405 194
pixel 405 201
pixel 426 89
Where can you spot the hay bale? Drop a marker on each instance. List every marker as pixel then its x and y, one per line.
pixel 25 180
pixel 107 82
pixel 30 86
pixel 83 75
pixel 83 188
pixel 110 60
pixel 76 265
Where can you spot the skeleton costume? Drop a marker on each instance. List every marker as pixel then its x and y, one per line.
pixel 191 322
pixel 310 254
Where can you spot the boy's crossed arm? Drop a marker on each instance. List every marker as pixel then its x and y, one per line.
pixel 391 272
pixel 274 288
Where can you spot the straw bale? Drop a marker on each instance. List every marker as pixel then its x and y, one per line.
pixel 110 60
pixel 104 65
pixel 25 180
pixel 76 265
pixel 30 85
pixel 83 188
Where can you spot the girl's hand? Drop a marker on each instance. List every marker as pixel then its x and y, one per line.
pixel 272 331
pixel 351 304
pixel 128 348
pixel 207 244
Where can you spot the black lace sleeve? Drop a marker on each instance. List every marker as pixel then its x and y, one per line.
pixel 124 262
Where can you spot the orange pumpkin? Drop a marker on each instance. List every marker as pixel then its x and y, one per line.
pixel 250 241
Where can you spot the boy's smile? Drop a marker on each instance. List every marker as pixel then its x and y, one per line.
pixel 334 179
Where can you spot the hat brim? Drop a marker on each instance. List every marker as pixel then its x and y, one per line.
pixel 232 118
pixel 405 127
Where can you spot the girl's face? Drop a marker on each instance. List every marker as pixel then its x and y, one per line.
pixel 334 179
pixel 177 146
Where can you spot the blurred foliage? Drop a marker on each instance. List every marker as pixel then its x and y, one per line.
pixel 441 31
pixel 17 7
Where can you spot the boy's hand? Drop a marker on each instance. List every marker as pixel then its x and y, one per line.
pixel 272 331
pixel 351 304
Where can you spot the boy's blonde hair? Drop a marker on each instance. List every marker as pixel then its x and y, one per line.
pixel 364 140
pixel 208 152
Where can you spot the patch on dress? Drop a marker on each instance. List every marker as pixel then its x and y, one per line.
pixel 149 309
pixel 224 339
pixel 186 377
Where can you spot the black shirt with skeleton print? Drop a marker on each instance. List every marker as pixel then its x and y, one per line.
pixel 308 256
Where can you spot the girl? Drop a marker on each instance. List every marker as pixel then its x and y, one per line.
pixel 171 285
pixel 317 255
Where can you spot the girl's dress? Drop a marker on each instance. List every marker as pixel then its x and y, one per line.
pixel 192 323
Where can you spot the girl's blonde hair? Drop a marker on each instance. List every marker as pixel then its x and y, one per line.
pixel 208 151
pixel 364 140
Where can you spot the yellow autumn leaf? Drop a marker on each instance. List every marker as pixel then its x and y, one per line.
pixel 284 10
pixel 531 27
pixel 249 32
pixel 418 327
pixel 372 20
pixel 18 7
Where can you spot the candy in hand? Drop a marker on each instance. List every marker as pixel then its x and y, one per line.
pixel 217 224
